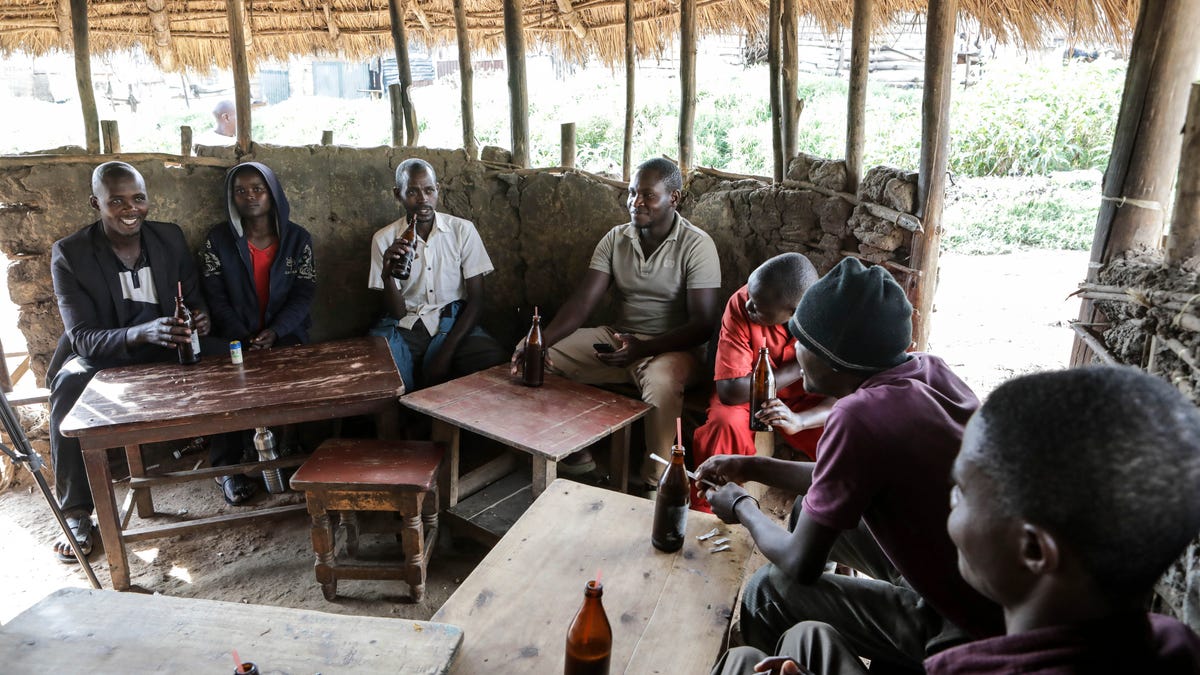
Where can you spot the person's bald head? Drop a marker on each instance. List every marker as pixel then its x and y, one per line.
pixel 225 114
pixel 776 286
pixel 111 171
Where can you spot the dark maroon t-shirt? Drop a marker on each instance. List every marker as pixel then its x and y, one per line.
pixel 1130 644
pixel 885 457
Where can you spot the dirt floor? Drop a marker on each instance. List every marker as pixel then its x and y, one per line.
pixel 996 316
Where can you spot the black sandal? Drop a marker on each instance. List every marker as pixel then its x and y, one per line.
pixel 82 529
pixel 236 489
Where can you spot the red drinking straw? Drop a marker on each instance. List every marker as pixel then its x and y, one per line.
pixel 679 432
pixel 237 663
pixel 597 576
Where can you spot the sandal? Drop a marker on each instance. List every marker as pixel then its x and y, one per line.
pixel 582 466
pixel 236 489
pixel 82 530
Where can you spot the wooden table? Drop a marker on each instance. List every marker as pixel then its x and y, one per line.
pixel 75 630
pixel 669 611
pixel 131 405
pixel 548 422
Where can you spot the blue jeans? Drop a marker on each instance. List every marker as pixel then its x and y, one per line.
pixel 476 351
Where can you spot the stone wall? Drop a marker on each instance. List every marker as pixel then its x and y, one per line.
pixel 539 227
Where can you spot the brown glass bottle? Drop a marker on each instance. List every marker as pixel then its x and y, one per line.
pixel 671 505
pixel 762 389
pixel 189 352
pixel 535 354
pixel 589 639
pixel 403 267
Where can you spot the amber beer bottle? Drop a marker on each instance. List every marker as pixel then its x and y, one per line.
pixel 762 389
pixel 671 505
pixel 589 639
pixel 189 352
pixel 402 269
pixel 535 354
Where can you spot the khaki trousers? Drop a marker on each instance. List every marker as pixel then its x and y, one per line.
pixel 661 380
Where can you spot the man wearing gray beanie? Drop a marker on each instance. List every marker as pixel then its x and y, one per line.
pixel 876 499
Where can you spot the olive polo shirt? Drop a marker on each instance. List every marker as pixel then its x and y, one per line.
pixel 652 292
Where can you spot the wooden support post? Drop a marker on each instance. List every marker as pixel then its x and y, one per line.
pixel 1162 61
pixel 568 145
pixel 327 137
pixel 856 102
pixel 935 146
pixel 776 104
pixel 160 22
pixel 518 94
pixel 397 115
pixel 83 75
pixel 111 135
pixel 466 77
pixel 1184 241
pixel 627 150
pixel 185 141
pixel 400 43
pixel 241 73
pixel 687 82
pixel 788 67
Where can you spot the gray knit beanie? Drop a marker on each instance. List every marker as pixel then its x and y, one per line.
pixel 856 318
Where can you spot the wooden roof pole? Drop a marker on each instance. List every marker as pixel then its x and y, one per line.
pixel 518 93
pixel 571 18
pixel 466 77
pixel 403 69
pixel 687 82
pixel 161 24
pixel 241 72
pixel 788 76
pixel 935 148
pixel 1162 61
pixel 1184 241
pixel 83 76
pixel 856 102
pixel 627 150
pixel 62 16
pixel 776 104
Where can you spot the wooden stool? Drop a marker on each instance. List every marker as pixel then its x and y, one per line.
pixel 346 474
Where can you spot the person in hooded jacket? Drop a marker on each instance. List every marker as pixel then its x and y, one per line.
pixel 259 278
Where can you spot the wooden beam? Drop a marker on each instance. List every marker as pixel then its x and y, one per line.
pixel 1184 241
pixel 687 82
pixel 935 147
pixel 773 76
pixel 83 75
pixel 518 93
pixel 327 137
pixel 466 73
pixel 185 141
pixel 1162 61
pixel 112 136
pixel 330 24
pixel 856 102
pixel 241 73
pixel 568 145
pixel 160 23
pixel 11 161
pixel 62 18
pixel 397 114
pixel 788 76
pixel 627 149
pixel 400 44
pixel 571 18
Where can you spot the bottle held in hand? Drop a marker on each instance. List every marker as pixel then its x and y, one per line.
pixel 762 389
pixel 671 505
pixel 535 354
pixel 189 352
pixel 402 269
pixel 589 639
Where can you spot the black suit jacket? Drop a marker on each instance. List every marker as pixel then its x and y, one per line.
pixel 84 270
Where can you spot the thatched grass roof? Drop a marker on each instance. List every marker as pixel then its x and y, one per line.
pixel 193 34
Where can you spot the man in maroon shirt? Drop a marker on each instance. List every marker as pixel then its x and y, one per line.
pixel 875 500
pixel 1073 493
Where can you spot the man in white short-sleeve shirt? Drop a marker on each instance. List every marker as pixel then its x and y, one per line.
pixel 666 275
pixel 431 318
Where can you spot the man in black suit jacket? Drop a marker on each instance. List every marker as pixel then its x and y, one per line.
pixel 115 281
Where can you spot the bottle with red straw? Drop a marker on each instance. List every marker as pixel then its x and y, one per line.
pixel 672 500
pixel 589 639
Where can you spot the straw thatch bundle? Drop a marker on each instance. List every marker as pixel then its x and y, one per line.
pixel 193 34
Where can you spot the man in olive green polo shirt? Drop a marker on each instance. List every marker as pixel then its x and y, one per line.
pixel 666 274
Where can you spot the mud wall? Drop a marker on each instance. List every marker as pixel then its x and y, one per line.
pixel 539 227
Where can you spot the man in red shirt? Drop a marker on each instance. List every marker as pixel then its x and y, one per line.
pixel 755 317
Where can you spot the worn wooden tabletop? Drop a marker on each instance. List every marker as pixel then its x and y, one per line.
pixel 275 386
pixel 75 630
pixel 669 611
pixel 552 421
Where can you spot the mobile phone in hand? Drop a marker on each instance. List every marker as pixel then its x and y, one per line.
pixel 604 348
